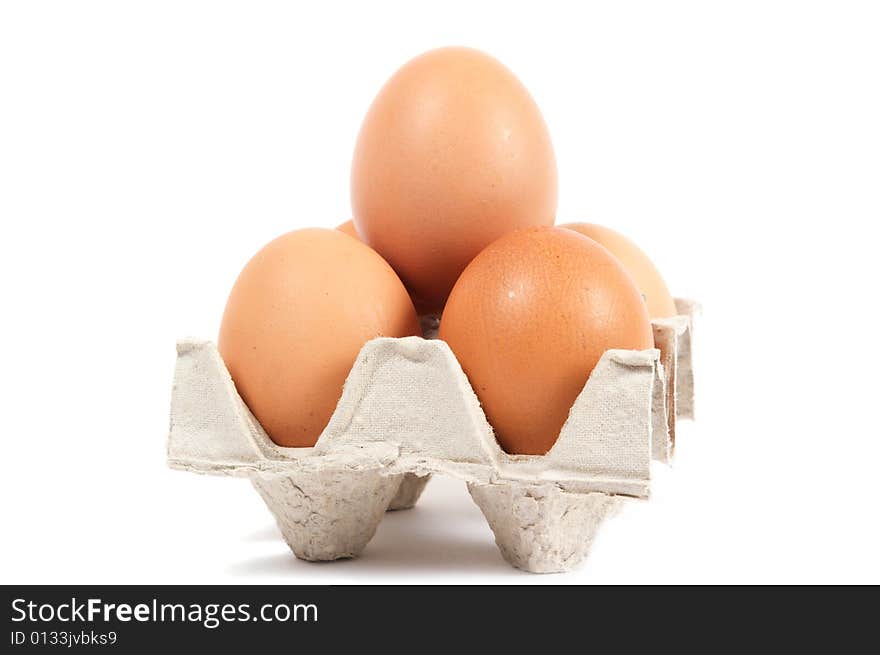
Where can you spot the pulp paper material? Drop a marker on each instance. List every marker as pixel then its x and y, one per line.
pixel 684 387
pixel 408 408
pixel 327 515
pixel 661 443
pixel 668 333
pixel 407 411
pixel 673 394
pixel 409 491
pixel 540 528
pixel 672 336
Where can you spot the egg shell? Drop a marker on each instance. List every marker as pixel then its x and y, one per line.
pixel 529 319
pixel 349 229
pixel 452 154
pixel 295 321
pixel 637 264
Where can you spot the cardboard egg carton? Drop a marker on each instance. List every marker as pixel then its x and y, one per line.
pixel 407 412
pixel 672 336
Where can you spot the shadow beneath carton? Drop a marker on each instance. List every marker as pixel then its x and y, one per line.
pixel 445 532
pixel 263 535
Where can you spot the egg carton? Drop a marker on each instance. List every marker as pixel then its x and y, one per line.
pixel 672 336
pixel 407 411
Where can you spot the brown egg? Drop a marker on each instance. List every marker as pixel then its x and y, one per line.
pixel 529 319
pixel 348 228
pixel 452 154
pixel 295 321
pixel 636 262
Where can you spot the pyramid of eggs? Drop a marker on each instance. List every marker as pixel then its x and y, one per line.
pixel 451 326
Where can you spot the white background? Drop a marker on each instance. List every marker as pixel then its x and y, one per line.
pixel 148 149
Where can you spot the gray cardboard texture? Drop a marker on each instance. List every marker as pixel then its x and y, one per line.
pixel 407 411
